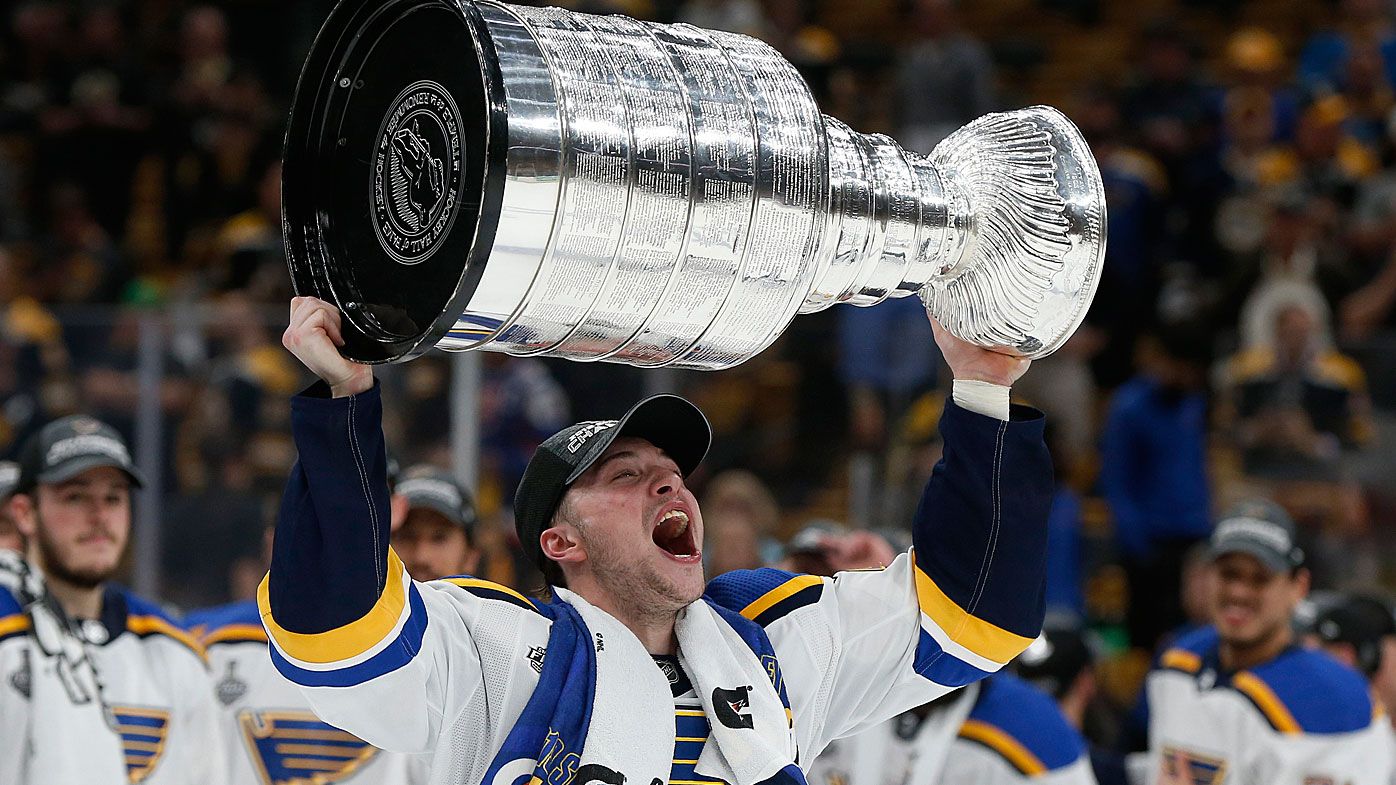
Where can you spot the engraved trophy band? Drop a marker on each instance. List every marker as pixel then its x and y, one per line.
pixel 475 175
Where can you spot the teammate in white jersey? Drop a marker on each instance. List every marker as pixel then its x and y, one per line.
pixel 1240 703
pixel 754 677
pixel 271 734
pixel 96 685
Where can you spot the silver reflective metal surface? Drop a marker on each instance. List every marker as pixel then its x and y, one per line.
pixel 673 196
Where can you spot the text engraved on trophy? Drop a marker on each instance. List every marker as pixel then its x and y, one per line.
pixel 416 172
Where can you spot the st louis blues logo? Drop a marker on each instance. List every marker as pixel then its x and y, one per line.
pixel 296 748
pixel 1185 767
pixel 143 731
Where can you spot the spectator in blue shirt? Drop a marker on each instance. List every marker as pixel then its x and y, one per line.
pixel 1154 474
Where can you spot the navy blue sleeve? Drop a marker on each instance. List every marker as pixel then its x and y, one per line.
pixel 330 556
pixel 980 532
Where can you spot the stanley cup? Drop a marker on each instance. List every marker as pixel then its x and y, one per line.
pixel 474 175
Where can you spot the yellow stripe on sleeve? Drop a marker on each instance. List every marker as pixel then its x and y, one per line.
pixel 764 603
pixel 1007 746
pixel 145 625
pixel 1181 659
pixel 352 639
pixel 16 623
pixel 981 637
pixel 1269 703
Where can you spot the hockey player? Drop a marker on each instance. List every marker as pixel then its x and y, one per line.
pixel 436 538
pixel 271 735
pixel 1239 703
pixel 96 684
pixel 631 675
pixel 999 731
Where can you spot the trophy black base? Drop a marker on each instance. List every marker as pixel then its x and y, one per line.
pixel 394 152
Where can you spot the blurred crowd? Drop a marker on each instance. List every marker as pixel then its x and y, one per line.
pixel 1242 343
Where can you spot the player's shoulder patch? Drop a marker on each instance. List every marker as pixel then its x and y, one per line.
pixel 145 619
pixel 13 620
pixel 489 590
pixel 236 622
pixel 1189 650
pixel 766 594
pixel 1307 691
pixel 1022 725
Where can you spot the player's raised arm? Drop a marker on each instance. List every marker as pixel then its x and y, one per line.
pixel 964 602
pixel 346 621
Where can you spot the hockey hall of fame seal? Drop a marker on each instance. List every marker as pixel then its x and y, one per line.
pixel 417 172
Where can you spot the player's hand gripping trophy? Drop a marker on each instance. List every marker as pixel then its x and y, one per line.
pixel 540 182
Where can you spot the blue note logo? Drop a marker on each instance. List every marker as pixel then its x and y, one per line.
pixel 142 731
pixel 417 172
pixel 1185 767
pixel 296 748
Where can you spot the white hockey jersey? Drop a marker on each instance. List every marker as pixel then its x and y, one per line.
pixel 1001 731
pixel 270 734
pixel 1301 719
pixel 448 667
pixel 152 687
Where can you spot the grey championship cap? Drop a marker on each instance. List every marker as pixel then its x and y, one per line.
pixel 667 421
pixel 1263 530
pixel 428 487
pixel 67 447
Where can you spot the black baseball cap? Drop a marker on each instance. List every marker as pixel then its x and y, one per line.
pixel 668 422
pixel 431 488
pixel 1261 529
pixel 1054 660
pixel 69 446
pixel 1361 622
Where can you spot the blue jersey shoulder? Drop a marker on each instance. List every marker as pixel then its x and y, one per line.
pixel 205 620
pixel 9 606
pixel 764 595
pixel 1319 693
pixel 1201 641
pixel 1029 717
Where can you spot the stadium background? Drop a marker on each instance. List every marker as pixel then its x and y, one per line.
pixel 1243 340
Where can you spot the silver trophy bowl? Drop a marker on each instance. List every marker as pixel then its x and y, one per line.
pixel 475 175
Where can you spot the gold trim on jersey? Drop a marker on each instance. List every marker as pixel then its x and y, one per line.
pixel 310 756
pixel 984 638
pixel 476 583
pixel 345 642
pixel 1010 748
pixel 19 622
pixel 235 633
pixel 154 625
pixel 784 591
pixel 1267 701
pixel 1181 660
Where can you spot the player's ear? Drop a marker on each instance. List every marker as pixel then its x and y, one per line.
pixel 21 510
pixel 1302 578
pixel 562 544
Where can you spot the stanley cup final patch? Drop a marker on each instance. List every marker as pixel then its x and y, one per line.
pixel 417 172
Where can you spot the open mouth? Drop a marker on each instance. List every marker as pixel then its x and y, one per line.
pixel 674 536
